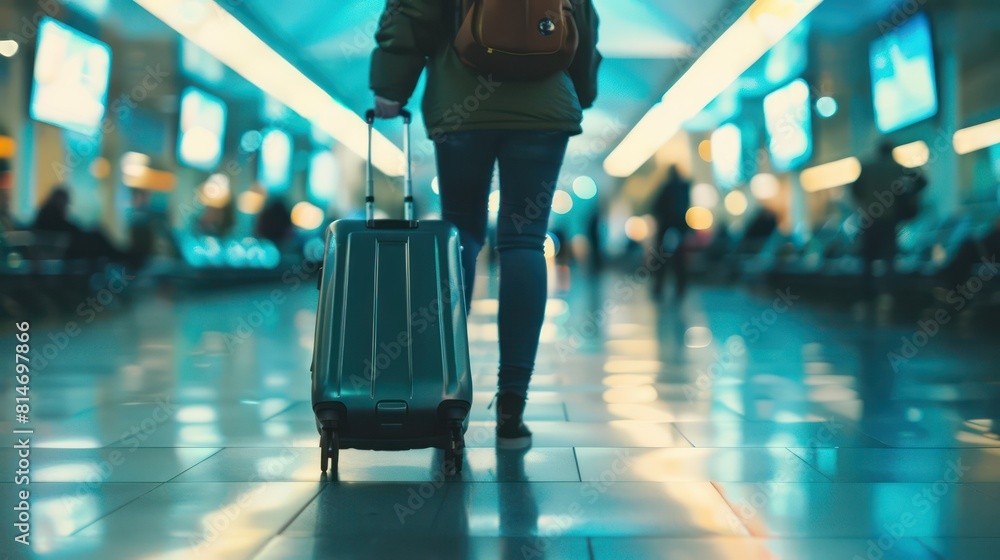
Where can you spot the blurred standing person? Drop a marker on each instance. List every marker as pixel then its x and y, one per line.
pixel 670 210
pixel 886 194
pixel 594 235
pixel 476 120
pixel 6 220
pixel 142 225
pixel 275 222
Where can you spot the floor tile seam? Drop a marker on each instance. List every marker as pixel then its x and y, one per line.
pixel 676 429
pixel 929 548
pixel 576 461
pixel 217 451
pixel 731 509
pixel 129 502
pixel 282 411
pixel 157 485
pixel 808 464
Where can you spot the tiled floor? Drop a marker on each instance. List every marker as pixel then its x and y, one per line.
pixel 721 428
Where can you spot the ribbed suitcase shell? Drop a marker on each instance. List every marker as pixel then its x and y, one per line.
pixel 391 352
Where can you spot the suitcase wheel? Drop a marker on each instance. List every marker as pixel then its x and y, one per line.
pixel 329 445
pixel 454 454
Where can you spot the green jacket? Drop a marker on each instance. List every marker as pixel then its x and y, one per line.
pixel 414 34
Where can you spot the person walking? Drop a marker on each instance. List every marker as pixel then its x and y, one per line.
pixel 477 120
pixel 886 194
pixel 670 211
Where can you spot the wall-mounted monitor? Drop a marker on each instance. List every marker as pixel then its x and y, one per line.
pixel 202 129
pixel 727 155
pixel 323 176
pixel 788 119
pixel 70 86
pixel 903 84
pixel 275 160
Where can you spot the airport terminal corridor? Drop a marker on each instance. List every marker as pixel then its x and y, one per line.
pixel 729 425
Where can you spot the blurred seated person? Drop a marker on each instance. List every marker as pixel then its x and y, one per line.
pixel 758 231
pixel 969 256
pixel 763 225
pixel 53 218
pixel 211 222
pixel 274 222
pixel 991 241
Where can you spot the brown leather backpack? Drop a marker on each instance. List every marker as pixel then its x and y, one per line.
pixel 517 40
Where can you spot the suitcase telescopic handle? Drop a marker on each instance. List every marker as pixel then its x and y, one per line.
pixel 407 175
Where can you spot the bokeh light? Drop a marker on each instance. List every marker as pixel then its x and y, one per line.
pixel 705 150
pixel 250 202
pixel 699 218
pixel 636 229
pixel 585 187
pixel 551 246
pixel 307 216
pixel 826 107
pixel 736 203
pixel 764 186
pixel 704 194
pixel 562 202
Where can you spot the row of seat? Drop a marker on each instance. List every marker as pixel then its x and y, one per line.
pixel 933 255
pixel 39 277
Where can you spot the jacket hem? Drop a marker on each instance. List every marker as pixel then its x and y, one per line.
pixel 437 129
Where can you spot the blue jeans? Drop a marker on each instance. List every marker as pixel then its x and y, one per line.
pixel 529 164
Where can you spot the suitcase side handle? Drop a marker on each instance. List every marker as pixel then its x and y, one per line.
pixel 407 175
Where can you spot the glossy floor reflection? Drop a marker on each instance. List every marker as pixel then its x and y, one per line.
pixel 729 426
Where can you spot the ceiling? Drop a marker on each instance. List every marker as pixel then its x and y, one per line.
pixel 646 44
pixel 641 41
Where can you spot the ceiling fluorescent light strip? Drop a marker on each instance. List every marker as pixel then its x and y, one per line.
pixel 830 175
pixel 912 155
pixel 208 25
pixel 761 27
pixel 977 137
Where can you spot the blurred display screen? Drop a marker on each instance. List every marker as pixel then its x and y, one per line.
pixel 276 160
pixel 323 172
pixel 202 127
pixel 71 76
pixel 786 60
pixel 727 155
pixel 787 117
pixel 93 8
pixel 903 83
pixel 789 57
